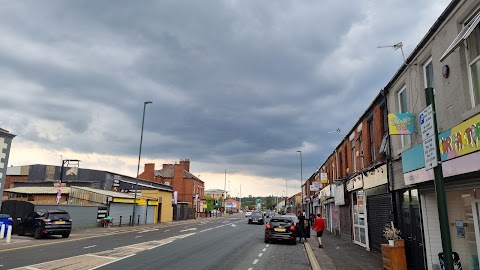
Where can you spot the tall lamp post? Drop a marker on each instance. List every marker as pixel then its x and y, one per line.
pixel 301 176
pixel 138 166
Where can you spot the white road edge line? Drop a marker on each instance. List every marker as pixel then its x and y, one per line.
pixel 255 261
pixel 31 268
pixel 90 246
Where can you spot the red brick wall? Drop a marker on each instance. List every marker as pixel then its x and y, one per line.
pixel 148 172
pixel 367 161
pixel 378 131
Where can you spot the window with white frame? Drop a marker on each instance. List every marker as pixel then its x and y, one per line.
pixel 354 163
pixel 428 73
pixel 372 141
pixel 403 108
pixel 360 146
pixel 469 36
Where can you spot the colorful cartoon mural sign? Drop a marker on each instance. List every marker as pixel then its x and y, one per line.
pixel 461 139
pixel 401 124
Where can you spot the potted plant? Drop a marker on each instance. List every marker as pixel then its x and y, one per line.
pixel 391 234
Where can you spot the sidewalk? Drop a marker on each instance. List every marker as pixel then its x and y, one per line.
pixel 339 254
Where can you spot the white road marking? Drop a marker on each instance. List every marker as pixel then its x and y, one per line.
pixel 260 255
pixel 267 245
pixel 191 229
pixel 250 268
pixel 167 230
pixel 31 268
pixel 90 246
pixel 264 249
pixel 138 236
pixel 255 262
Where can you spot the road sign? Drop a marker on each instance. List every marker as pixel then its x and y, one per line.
pixel 430 153
pixel 426 122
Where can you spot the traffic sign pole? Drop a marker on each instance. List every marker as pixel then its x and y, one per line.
pixel 440 190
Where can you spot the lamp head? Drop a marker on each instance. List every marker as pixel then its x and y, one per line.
pixel 147 102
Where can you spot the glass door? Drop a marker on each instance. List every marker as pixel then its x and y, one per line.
pixel 359 218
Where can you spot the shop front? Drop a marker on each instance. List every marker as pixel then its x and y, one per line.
pixel 329 209
pixel 359 214
pixel 461 170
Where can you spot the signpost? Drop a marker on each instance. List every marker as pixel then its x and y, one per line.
pixel 428 137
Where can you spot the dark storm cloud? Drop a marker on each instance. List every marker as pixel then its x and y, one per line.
pixel 238 84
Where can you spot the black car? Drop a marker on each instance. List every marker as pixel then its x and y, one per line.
pixel 281 228
pixel 256 217
pixel 46 222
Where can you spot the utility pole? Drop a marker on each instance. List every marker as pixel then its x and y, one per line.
pixel 240 196
pixel 440 188
pixel 225 196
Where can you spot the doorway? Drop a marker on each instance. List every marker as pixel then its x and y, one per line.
pixel 411 228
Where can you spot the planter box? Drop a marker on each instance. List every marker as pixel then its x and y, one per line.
pixel 394 257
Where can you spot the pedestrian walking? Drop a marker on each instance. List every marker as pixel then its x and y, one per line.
pixel 312 219
pixel 319 226
pixel 301 227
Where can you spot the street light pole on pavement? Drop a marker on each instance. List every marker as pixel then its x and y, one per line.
pixel 132 221
pixel 301 176
pixel 225 192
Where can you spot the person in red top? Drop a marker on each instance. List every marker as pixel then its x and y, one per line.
pixel 319 226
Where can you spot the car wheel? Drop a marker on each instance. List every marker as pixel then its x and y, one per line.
pixel 267 241
pixel 21 231
pixel 38 233
pixel 293 241
pixel 66 235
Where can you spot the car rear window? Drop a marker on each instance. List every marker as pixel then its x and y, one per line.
pixel 59 216
pixel 256 214
pixel 284 220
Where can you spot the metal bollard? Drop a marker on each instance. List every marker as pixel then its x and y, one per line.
pixel 2 231
pixel 130 221
pixel 120 224
pixel 9 233
pixel 138 220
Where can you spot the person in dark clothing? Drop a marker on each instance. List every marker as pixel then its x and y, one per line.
pixel 312 219
pixel 301 226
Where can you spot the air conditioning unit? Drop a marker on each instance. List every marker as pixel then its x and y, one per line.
pixel 167 183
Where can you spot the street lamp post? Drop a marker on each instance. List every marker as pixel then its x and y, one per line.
pixel 138 166
pixel 301 177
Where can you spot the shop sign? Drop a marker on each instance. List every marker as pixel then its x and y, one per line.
pixel 315 186
pixel 339 195
pixel 355 183
pixel 325 193
pixel 461 139
pixel 324 177
pixel 375 177
pixel 401 124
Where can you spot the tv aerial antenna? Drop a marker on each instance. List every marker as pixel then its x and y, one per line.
pixel 396 47
pixel 337 130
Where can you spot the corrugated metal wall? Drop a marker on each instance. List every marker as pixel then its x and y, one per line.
pixel 143 212
pixel 82 216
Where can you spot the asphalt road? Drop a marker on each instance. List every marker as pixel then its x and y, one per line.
pixel 214 243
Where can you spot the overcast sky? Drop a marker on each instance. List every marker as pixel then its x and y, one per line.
pixel 236 85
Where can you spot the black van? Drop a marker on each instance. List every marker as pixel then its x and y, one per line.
pixel 46 222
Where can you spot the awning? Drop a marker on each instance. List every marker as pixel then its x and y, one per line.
pixel 464 34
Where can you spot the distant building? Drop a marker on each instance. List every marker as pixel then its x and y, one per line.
pixel 5 143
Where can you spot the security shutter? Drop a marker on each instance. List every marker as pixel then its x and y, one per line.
pixel 345 223
pixel 123 210
pixel 145 212
pixel 379 212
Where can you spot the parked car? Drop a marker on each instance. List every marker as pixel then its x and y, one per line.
pixel 248 213
pixel 256 217
pixel 281 228
pixel 40 223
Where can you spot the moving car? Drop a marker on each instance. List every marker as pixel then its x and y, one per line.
pixel 281 228
pixel 256 217
pixel 248 213
pixel 46 222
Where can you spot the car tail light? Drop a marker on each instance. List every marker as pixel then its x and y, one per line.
pixel 267 227
pixel 292 228
pixel 47 220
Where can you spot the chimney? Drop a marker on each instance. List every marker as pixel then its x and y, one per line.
pixel 186 164
pixel 165 165
pixel 148 172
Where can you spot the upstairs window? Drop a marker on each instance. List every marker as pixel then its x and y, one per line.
pixel 403 108
pixel 428 74
pixel 469 36
pixel 354 163
pixel 372 141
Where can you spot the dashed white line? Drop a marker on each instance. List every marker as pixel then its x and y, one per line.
pixel 260 255
pixel 83 247
pixel 138 236
pixel 255 261
pixel 191 229
pixel 167 230
pixel 267 245
pixel 264 249
pixel 250 268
